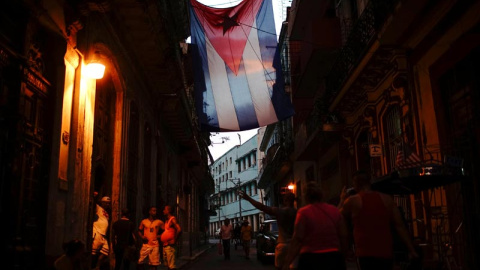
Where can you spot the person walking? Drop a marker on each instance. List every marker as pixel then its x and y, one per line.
pixel 373 214
pixel 285 216
pixel 100 246
pixel 320 234
pixel 148 232
pixel 226 236
pixel 246 234
pixel 123 240
pixel 169 238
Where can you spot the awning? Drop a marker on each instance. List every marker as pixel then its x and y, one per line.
pixel 419 179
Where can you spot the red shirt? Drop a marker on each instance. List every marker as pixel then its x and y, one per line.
pixel 372 227
pixel 320 221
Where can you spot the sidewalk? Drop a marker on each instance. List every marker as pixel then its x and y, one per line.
pixel 183 261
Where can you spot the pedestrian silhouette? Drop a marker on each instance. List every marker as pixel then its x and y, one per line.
pixel 100 246
pixel 123 241
pixel 169 238
pixel 320 234
pixel 372 215
pixel 148 232
pixel 285 216
pixel 226 236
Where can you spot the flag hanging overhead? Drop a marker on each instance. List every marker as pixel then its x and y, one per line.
pixel 238 78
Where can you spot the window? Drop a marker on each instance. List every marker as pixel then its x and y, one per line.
pixel 231 174
pixel 393 135
pixel 249 159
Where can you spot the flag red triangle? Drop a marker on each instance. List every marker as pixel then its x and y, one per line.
pixel 228 28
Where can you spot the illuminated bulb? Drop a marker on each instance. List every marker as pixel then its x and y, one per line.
pixel 95 70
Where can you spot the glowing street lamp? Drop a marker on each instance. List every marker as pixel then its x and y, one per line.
pixel 291 187
pixel 95 68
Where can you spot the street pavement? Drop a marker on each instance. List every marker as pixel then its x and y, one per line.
pixel 208 258
pixel 211 260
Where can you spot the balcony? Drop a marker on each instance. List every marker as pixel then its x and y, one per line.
pixel 277 163
pixel 311 53
pixel 361 37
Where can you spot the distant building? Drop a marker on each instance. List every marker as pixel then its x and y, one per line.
pixel 236 170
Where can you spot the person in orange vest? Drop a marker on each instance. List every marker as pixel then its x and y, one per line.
pixel 169 238
pixel 246 232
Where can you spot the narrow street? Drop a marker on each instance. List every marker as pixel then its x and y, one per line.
pixel 211 260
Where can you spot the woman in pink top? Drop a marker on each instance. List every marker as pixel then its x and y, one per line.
pixel 320 234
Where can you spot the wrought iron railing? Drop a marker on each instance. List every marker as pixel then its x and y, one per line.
pixel 360 38
pixel 363 32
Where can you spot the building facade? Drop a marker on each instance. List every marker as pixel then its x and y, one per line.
pixel 276 146
pixel 64 136
pixel 384 83
pixel 236 170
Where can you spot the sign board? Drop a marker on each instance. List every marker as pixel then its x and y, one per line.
pixel 453 161
pixel 375 150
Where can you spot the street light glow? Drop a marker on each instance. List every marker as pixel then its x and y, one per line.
pixel 95 70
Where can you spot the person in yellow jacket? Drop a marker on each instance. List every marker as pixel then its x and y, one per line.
pixel 246 233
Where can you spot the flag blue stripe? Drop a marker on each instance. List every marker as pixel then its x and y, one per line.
pixel 242 99
pixel 268 41
pixel 241 85
pixel 205 103
pixel 266 23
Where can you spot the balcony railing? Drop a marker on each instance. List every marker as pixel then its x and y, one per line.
pixel 360 38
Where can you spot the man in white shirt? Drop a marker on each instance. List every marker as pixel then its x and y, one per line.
pixel 100 227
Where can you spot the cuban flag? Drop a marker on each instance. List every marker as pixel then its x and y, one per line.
pixel 238 78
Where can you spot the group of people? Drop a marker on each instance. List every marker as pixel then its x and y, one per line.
pixel 317 235
pixel 153 232
pixel 226 233
pixel 149 233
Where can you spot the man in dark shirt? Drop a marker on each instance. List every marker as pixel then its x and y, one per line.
pixel 286 222
pixel 373 215
pixel 123 240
